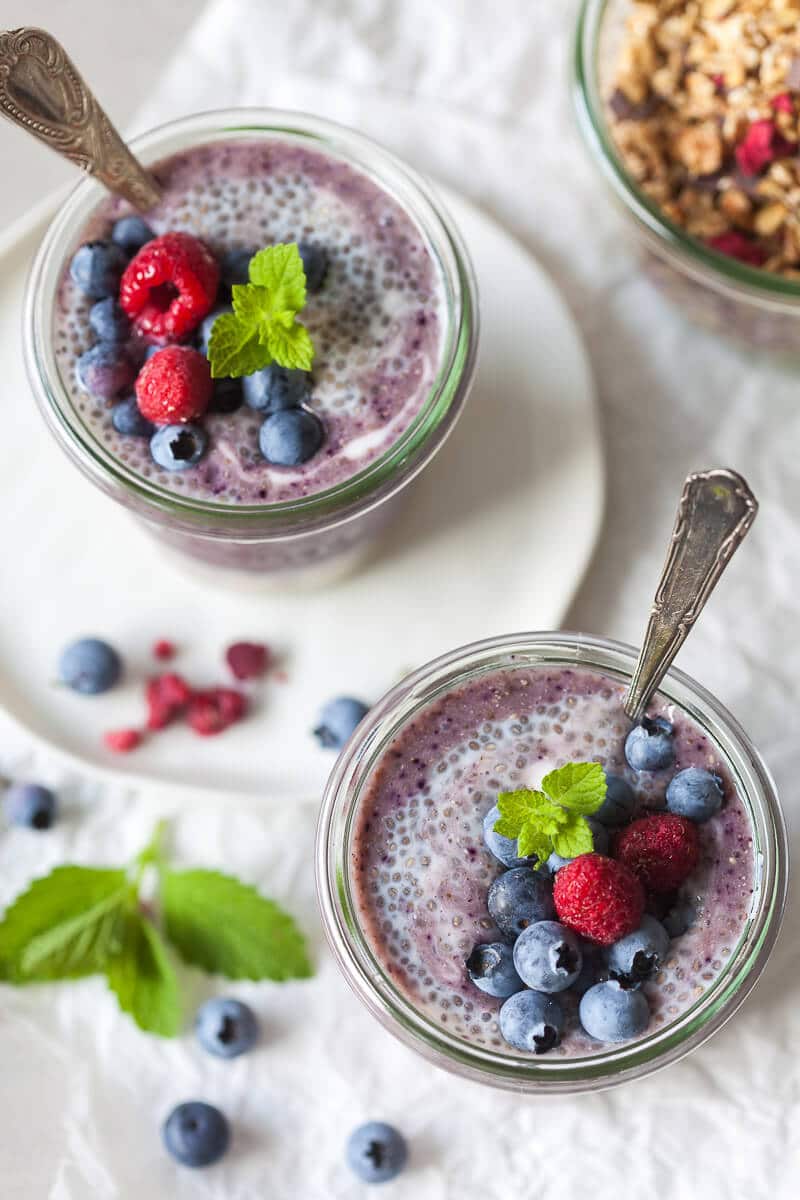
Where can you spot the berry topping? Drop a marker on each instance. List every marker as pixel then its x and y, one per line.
pixel 208 324
pixel 504 849
pixel 315 264
pixel 490 966
pixel 695 793
pixel 226 1027
pixel 617 808
pixel 131 233
pixel 164 649
pixel 178 447
pixel 227 396
pixel 376 1152
pixel 275 388
pixel 122 741
pixel 519 898
pixel 290 437
pixel 97 268
pixel 105 370
pixel 214 710
pixel 196 1134
pixel 128 421
pixel 680 917
pixel 169 286
pixel 610 1012
pixel 174 386
pixel 598 898
pixel 30 805
pixel 338 721
pixel 548 957
pixel 648 746
pixel 236 267
pixel 108 321
pixel 247 660
pixel 166 696
pixel 639 955
pixel 761 145
pixel 532 1022
pixel 662 850
pixel 738 245
pixel 89 666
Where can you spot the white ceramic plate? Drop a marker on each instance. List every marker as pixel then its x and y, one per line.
pixel 496 538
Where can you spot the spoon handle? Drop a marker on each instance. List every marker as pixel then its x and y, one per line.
pixel 41 91
pixel 715 512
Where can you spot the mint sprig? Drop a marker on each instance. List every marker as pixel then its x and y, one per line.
pixel 80 921
pixel 263 327
pixel 553 818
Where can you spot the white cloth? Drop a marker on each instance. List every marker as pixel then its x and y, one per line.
pixel 476 93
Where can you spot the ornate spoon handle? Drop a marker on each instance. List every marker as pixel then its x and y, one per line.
pixel 715 512
pixel 41 91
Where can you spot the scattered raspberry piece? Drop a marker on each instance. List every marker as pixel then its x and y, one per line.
pixel 122 741
pixel 662 850
pixel 169 286
pixel 736 245
pixel 599 898
pixel 174 386
pixel 782 103
pixel 247 660
pixel 214 710
pixel 762 143
pixel 166 696
pixel 164 650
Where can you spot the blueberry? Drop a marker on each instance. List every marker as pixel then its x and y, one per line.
pixel 128 420
pixel 226 1027
pixel 31 805
pixel 518 898
pixel 599 841
pixel 234 267
pixel 315 264
pixel 178 447
pixel 680 917
pixel 275 388
pixel 611 1013
pixel 196 1134
pixel 291 437
pixel 376 1152
pixel 150 351
pixel 89 666
pixel 131 233
pixel 617 808
pixel 490 966
pixel 592 971
pixel 227 396
pixel 338 720
pixel 548 957
pixel 208 324
pixel 648 746
pixel 532 1022
pixel 97 269
pixel 504 849
pixel 108 320
pixel 695 793
pixel 105 371
pixel 639 955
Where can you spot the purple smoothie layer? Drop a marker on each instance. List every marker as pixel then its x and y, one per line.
pixel 420 870
pixel 376 323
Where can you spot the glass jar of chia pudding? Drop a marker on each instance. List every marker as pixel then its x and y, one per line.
pixel 394 326
pixel 403 868
pixel 724 290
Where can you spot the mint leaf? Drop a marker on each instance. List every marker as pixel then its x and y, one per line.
pixel 141 977
pixel 291 345
pixel 577 786
pixel 225 926
pixel 234 348
pixel 279 269
pixel 517 808
pixel 534 843
pixel 573 838
pixel 64 926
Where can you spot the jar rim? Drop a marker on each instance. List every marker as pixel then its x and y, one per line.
pixel 397 1012
pixel 394 468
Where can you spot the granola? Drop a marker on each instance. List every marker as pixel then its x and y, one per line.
pixel 705 114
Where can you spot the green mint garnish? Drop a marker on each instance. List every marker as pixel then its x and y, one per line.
pixel 80 921
pixel 554 817
pixel 263 327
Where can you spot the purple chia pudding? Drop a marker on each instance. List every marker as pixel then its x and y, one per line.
pixel 376 323
pixel 420 869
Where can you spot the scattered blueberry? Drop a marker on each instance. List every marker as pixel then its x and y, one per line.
pixel 315 264
pixel 504 849
pixel 131 233
pixel 639 955
pixel 235 266
pixel 178 447
pixel 226 1027
pixel 376 1152
pixel 227 396
pixel 695 793
pixel 518 898
pixel 97 269
pixel 105 370
pixel 490 966
pixel 548 957
pixel 208 324
pixel 275 388
pixel 291 437
pixel 600 842
pixel 89 666
pixel 532 1022
pixel 680 917
pixel 31 805
pixel 617 808
pixel 338 720
pixel 648 746
pixel 128 420
pixel 108 320
pixel 196 1134
pixel 611 1013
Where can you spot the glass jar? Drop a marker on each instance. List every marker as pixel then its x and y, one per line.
pixel 317 535
pixel 507 1069
pixel 719 292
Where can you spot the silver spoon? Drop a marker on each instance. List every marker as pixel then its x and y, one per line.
pixel 715 513
pixel 43 93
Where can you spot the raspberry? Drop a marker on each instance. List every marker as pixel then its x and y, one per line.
pixel 737 245
pixel 761 145
pixel 783 103
pixel 213 710
pixel 662 850
pixel 163 649
pixel 166 696
pixel 599 898
pixel 174 386
pixel 247 660
pixel 122 741
pixel 169 286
